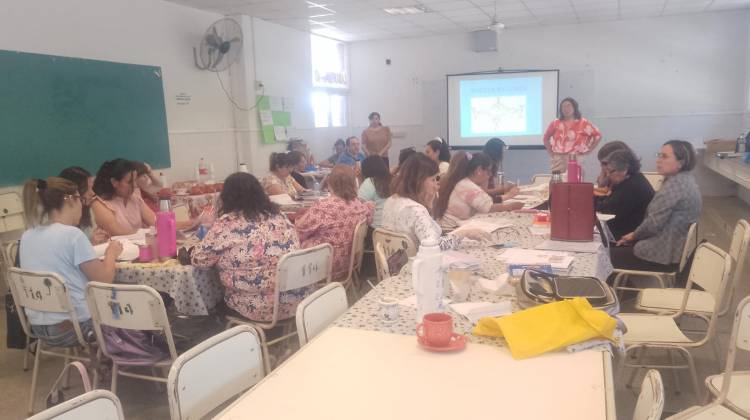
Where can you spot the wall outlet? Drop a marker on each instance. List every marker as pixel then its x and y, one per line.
pixel 259 85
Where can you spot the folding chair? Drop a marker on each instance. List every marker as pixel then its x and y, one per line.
pixel 690 243
pixel 295 270
pixel 45 292
pixel 319 310
pixel 381 263
pixel 93 405
pixel 650 402
pixel 732 387
pixel 352 281
pixel 700 301
pixel 130 307
pixel 647 331
pixel 213 372
pixel 655 179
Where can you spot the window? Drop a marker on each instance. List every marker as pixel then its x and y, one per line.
pixel 329 109
pixel 330 77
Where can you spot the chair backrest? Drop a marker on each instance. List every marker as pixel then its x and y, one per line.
pixel 304 267
pixel 8 255
pixel 539 179
pixel 650 402
pixel 358 247
pixel 213 372
pixel 98 404
pixel 41 291
pixel 738 247
pixel 319 310
pixel 129 306
pixel 739 340
pixel 11 212
pixel 690 243
pixel 381 263
pixel 655 179
pixel 392 241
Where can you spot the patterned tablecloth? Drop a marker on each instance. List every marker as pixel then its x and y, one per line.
pixel 365 315
pixel 196 203
pixel 194 290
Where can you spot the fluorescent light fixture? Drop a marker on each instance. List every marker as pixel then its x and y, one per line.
pixel 320 16
pixel 322 6
pixel 407 10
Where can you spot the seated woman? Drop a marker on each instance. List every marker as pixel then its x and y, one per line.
pixel 461 195
pixel 437 150
pixel 245 244
pixel 494 148
pixel 149 185
pixel 118 207
pixel 656 244
pixel 299 163
pixel 413 192
pixel 85 183
pixel 602 180
pixel 54 243
pixel 630 193
pixel 376 186
pixel 279 180
pixel 403 154
pixel 338 150
pixel 333 219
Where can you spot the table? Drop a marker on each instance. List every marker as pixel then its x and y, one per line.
pixel 194 290
pixel 364 313
pixel 346 373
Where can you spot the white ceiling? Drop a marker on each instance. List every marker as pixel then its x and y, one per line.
pixel 357 20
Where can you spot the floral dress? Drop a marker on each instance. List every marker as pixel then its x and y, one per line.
pixel 332 220
pixel 246 253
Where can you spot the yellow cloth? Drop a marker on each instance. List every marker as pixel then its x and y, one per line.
pixel 548 327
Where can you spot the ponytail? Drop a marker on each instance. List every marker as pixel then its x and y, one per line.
pixel 41 196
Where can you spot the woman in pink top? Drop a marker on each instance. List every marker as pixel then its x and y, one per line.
pixel 118 207
pixel 570 133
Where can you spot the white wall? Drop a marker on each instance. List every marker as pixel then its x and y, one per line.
pixel 643 81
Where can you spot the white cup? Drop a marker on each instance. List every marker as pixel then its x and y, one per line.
pixel 388 310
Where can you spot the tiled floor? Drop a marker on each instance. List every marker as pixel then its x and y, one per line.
pixel 145 401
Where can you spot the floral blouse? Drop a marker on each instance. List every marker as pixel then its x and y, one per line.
pixel 407 216
pixel 286 184
pixel 246 254
pixel 332 220
pixel 466 200
pixel 580 136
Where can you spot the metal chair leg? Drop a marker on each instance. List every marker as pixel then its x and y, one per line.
pixel 34 375
pixel 66 384
pixel 26 354
pixel 693 374
pixel 717 351
pixel 113 385
pixel 641 356
pixel 677 388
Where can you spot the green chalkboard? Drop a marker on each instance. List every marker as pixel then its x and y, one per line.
pixel 57 112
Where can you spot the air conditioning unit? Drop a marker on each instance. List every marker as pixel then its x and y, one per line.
pixel 484 40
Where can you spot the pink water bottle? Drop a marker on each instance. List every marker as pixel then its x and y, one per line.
pixel 574 169
pixel 166 229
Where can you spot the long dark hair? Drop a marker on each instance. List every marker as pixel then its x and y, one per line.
pixel 374 167
pixel 408 181
pixel 494 148
pixel 80 177
pixel 461 167
pixel 243 193
pixel 279 160
pixel 441 147
pixel 111 169
pixel 576 111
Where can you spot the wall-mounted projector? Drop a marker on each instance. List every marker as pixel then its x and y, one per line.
pixel 485 40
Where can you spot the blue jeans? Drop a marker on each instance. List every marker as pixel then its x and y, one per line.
pixel 63 334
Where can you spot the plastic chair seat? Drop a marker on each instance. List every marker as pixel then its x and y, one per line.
pixel 658 329
pixel 659 300
pixel 716 412
pixel 739 389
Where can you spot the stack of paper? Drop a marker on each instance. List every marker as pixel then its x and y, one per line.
pixel 283 200
pixel 558 260
pixel 587 247
pixel 461 260
pixel 129 250
pixel 488 226
pixel 475 311
pixel 138 238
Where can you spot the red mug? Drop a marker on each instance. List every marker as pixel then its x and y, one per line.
pixel 436 329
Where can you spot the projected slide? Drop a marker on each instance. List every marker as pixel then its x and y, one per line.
pixel 501 107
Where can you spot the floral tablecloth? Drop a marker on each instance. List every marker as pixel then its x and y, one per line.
pixel 194 290
pixel 364 314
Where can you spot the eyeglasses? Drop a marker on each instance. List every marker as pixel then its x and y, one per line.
pixel 662 156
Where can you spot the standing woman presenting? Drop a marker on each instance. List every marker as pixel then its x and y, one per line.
pixel 569 133
pixel 376 138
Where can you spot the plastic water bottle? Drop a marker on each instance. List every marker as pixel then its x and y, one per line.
pixel 316 186
pixel 427 279
pixel 202 170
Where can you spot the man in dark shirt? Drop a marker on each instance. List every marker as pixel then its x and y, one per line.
pixel 629 195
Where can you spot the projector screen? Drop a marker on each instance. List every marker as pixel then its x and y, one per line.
pixel 515 106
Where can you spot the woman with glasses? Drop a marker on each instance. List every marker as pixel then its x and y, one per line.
pixel 53 242
pixel 656 244
pixel 569 133
pixel 84 181
pixel 118 207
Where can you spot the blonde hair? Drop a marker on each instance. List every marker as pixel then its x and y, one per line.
pixel 41 196
pixel 343 182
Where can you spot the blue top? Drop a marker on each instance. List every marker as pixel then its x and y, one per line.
pixel 60 249
pixel 367 192
pixel 348 159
